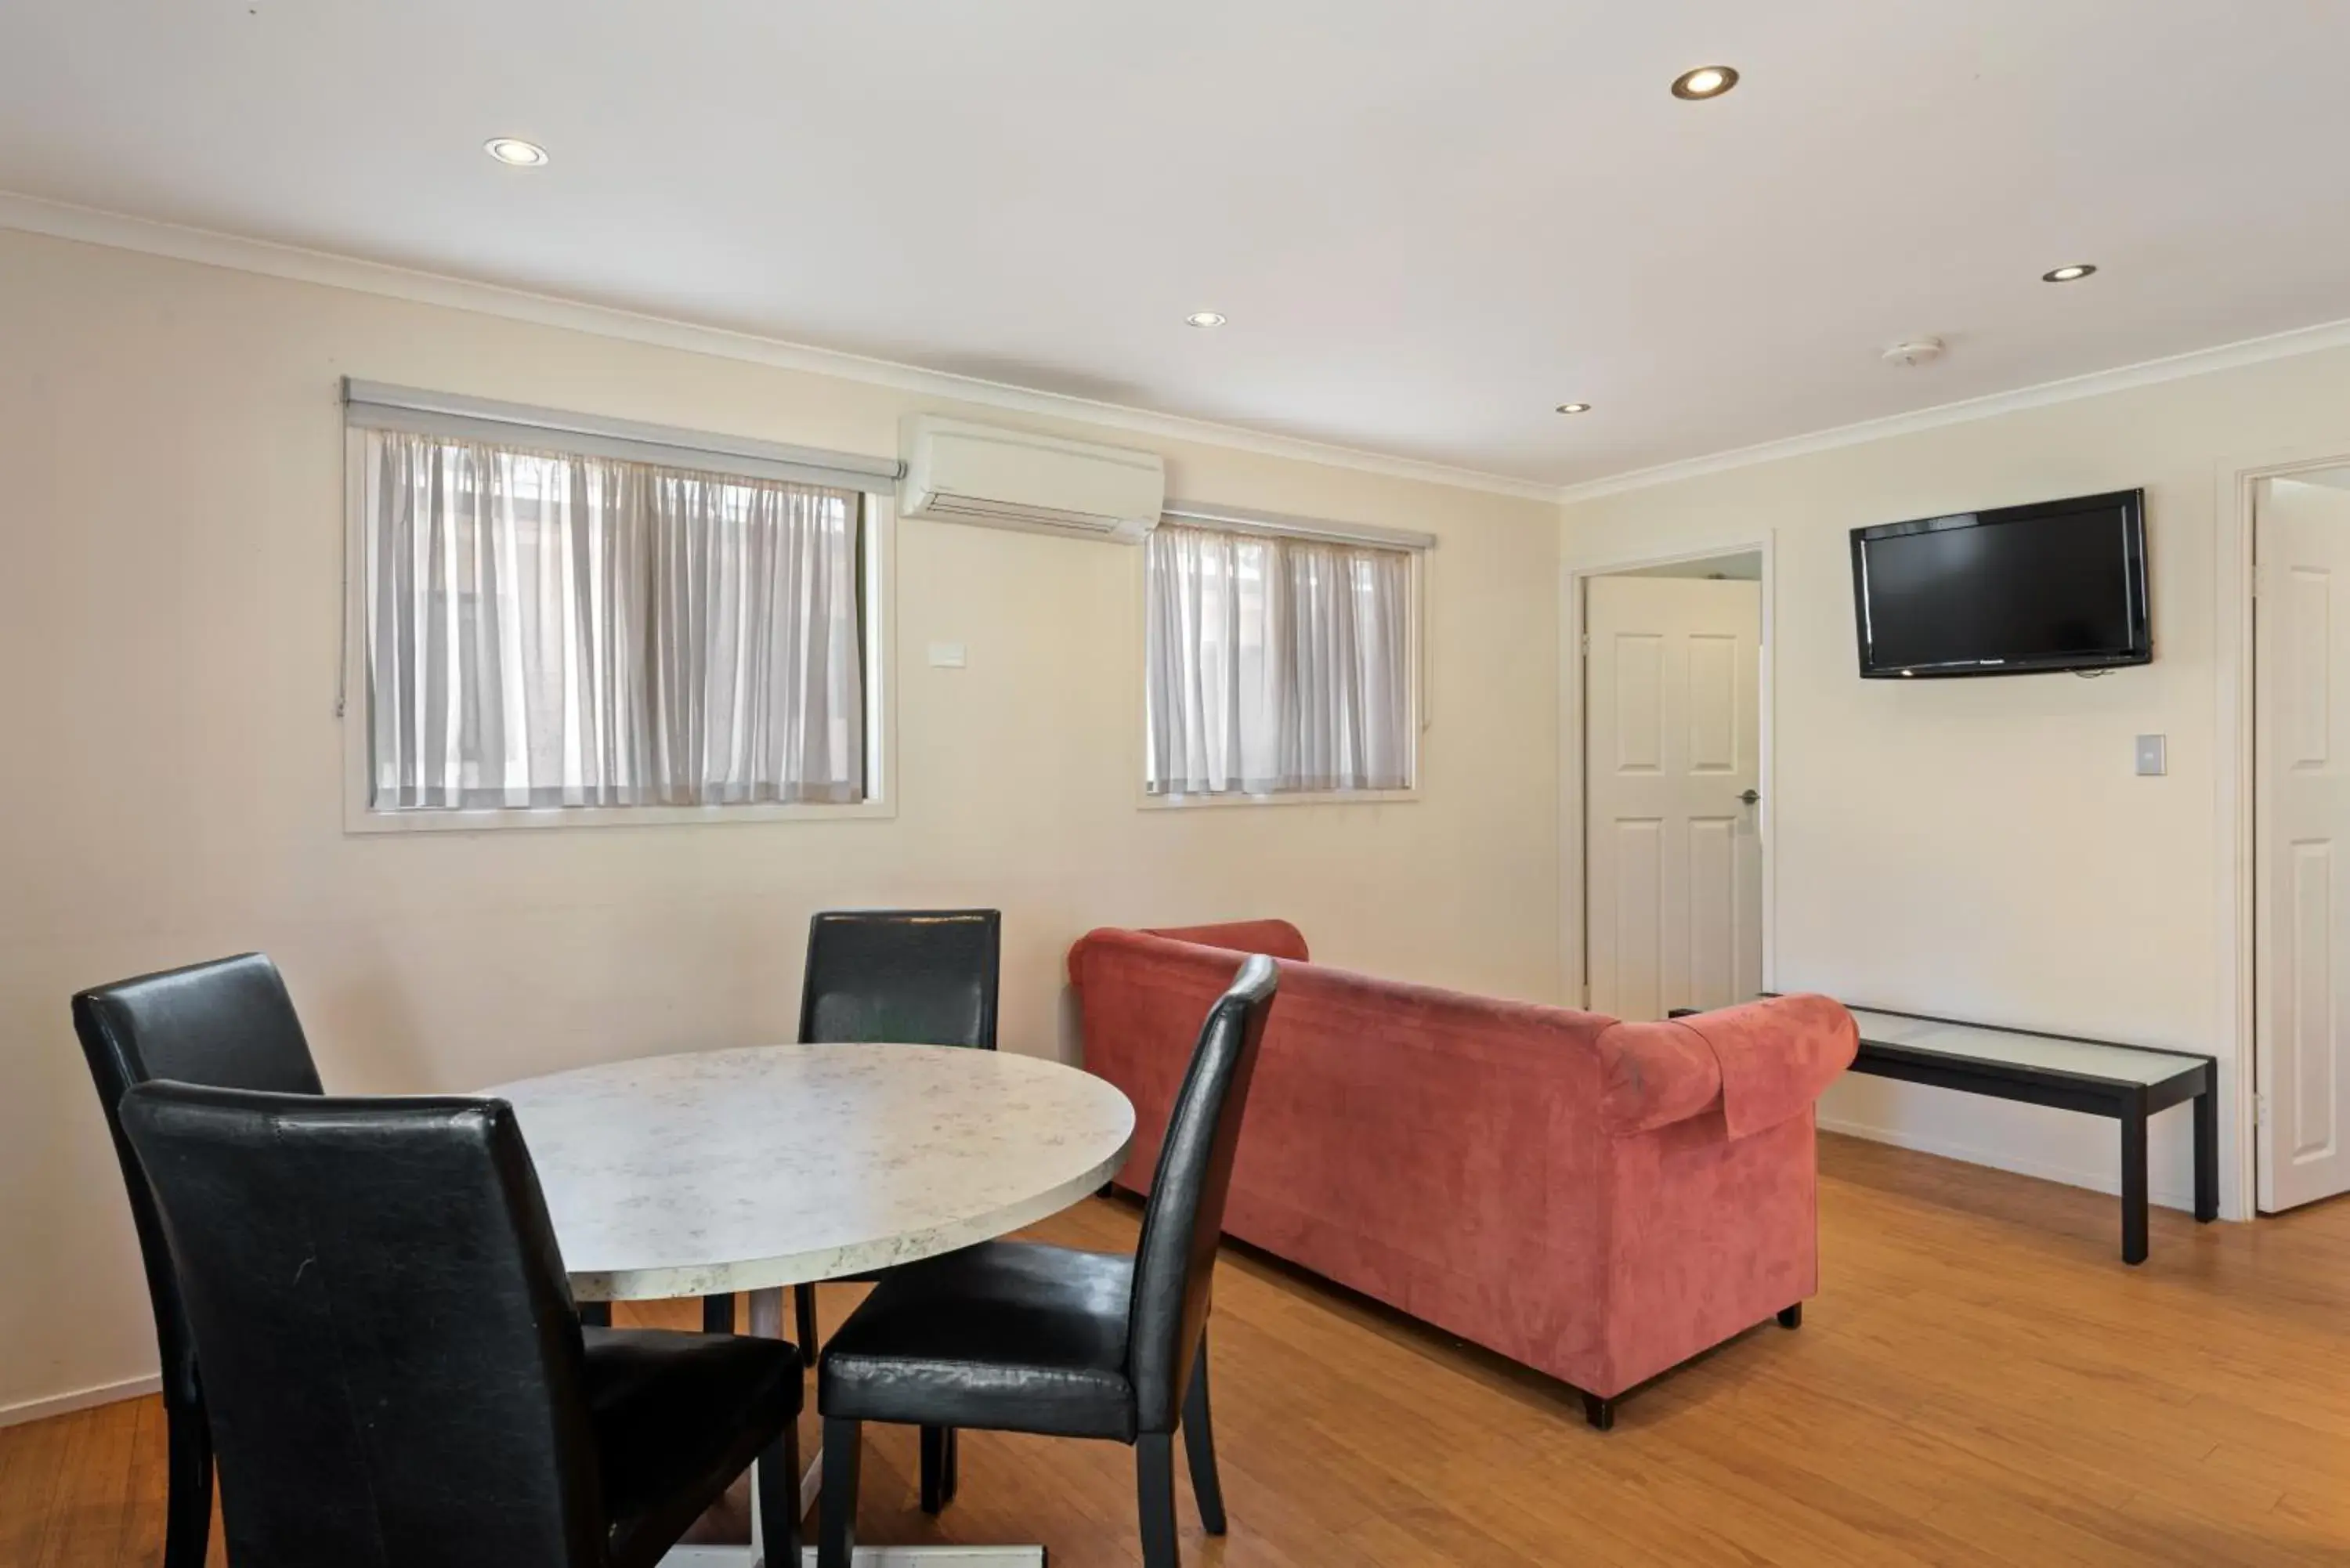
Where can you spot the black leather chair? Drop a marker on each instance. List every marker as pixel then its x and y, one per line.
pixel 925 976
pixel 393 1370
pixel 227 1023
pixel 1015 1337
pixel 920 977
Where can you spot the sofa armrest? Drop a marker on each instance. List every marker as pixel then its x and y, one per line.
pixel 1764 1063
pixel 1653 1074
pixel 1776 1057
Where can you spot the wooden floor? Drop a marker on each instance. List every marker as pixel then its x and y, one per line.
pixel 1980 1383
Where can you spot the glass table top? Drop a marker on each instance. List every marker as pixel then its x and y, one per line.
pixel 2122 1063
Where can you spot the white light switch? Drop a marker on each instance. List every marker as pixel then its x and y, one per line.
pixel 949 656
pixel 2152 760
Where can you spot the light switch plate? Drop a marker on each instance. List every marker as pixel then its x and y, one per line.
pixel 947 655
pixel 2153 760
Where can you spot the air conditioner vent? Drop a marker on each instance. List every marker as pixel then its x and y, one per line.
pixel 962 473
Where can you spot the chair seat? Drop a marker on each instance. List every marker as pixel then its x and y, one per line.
pixel 675 1417
pixel 1005 1336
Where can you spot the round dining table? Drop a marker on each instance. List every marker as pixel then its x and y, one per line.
pixel 757 1169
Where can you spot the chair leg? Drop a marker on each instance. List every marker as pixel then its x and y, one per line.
pixel 1200 1446
pixel 941 1459
pixel 779 1500
pixel 843 1445
pixel 594 1314
pixel 1154 1491
pixel 188 1527
pixel 718 1314
pixel 804 1311
pixel 1791 1317
pixel 1600 1413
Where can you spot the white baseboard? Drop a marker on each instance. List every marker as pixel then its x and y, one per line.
pixel 79 1399
pixel 2104 1180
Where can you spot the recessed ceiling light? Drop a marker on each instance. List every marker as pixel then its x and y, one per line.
pixel 514 150
pixel 1706 81
pixel 1575 407
pixel 2075 273
pixel 1204 318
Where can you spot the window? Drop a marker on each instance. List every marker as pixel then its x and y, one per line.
pixel 548 629
pixel 1278 663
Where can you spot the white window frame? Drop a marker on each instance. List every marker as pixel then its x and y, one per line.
pixel 876 544
pixel 1418 547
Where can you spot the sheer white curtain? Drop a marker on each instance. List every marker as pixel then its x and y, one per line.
pixel 1276 664
pixel 549 629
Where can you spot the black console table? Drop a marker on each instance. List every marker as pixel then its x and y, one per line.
pixel 2128 1082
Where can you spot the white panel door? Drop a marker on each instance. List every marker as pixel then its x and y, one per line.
pixel 1672 850
pixel 2301 745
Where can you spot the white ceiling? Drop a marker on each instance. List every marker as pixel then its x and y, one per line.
pixel 1427 223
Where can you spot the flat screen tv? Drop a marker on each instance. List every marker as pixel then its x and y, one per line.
pixel 2060 584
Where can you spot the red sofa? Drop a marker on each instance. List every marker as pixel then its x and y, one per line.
pixel 1601 1201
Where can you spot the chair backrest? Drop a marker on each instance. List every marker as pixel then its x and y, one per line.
pixel 925 976
pixel 1175 1260
pixel 393 1368
pixel 227 1023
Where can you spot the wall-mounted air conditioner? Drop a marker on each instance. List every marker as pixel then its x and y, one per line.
pixel 957 471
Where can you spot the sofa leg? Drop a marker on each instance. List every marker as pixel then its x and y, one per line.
pixel 1600 1413
pixel 1791 1317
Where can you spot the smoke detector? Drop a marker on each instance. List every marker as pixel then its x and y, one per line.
pixel 1915 351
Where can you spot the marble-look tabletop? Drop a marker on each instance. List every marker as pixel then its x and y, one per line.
pixel 746 1169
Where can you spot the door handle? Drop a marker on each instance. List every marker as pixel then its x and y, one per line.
pixel 1749 795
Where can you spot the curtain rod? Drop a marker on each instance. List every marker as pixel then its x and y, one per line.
pixel 375 405
pixel 1241 519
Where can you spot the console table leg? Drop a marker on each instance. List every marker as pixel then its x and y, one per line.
pixel 2207 1152
pixel 2134 1202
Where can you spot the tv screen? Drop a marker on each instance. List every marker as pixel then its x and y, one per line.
pixel 2056 585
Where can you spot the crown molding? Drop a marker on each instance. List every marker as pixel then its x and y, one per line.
pixel 92 225
pixel 208 247
pixel 2072 389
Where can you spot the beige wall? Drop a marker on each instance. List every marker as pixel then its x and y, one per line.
pixel 1983 849
pixel 170 552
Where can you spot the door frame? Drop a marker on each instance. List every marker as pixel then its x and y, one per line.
pixel 1573 957
pixel 2243 804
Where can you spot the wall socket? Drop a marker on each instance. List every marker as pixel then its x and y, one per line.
pixel 2153 756
pixel 947 655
